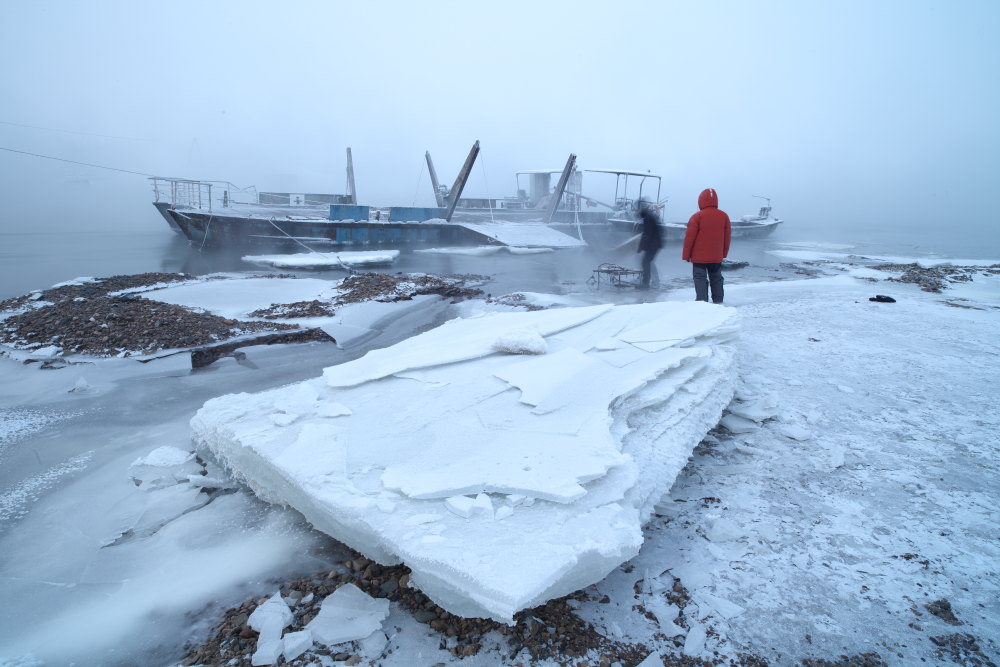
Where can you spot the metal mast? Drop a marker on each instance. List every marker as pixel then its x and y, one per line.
pixel 560 187
pixel 463 176
pixel 351 192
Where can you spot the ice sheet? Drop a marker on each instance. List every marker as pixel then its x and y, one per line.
pixel 325 260
pixel 238 298
pixel 435 437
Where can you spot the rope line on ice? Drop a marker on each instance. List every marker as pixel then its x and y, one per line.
pixel 335 255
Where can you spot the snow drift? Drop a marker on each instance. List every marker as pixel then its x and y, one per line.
pixel 507 458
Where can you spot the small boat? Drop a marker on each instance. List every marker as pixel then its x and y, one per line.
pixel 754 226
pixel 746 227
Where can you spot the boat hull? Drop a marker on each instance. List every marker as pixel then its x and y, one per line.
pixel 163 208
pixel 205 229
pixel 220 231
pixel 675 231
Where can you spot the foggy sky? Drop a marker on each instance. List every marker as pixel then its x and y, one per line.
pixel 847 114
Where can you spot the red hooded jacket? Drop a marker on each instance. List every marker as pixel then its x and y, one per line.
pixel 708 231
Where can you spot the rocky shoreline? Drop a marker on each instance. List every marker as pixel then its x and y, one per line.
pixel 109 316
pixel 552 632
pixel 936 278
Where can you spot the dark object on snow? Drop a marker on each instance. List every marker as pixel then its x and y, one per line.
pixel 882 298
pixel 617 276
pixel 206 354
pixel 729 266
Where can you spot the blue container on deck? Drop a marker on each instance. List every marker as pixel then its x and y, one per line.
pixel 345 212
pixel 415 214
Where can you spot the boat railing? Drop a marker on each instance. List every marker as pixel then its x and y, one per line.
pixel 201 195
pixel 212 195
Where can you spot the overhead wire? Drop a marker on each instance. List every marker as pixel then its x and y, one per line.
pixel 85 164
pixel 85 134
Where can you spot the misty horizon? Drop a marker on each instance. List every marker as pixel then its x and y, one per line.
pixel 847 116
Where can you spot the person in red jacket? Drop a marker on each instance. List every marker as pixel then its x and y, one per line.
pixel 706 244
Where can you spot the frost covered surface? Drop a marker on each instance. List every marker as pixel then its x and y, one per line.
pixel 863 493
pixel 326 260
pixel 833 252
pixel 862 490
pixel 484 250
pixel 502 480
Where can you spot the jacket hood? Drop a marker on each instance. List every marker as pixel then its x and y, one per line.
pixel 708 197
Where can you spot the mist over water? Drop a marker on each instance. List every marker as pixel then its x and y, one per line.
pixel 32 261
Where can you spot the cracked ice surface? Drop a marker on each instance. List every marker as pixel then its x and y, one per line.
pixel 502 480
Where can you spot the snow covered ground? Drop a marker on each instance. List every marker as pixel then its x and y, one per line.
pixel 846 505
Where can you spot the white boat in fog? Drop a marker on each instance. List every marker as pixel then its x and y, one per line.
pixel 747 226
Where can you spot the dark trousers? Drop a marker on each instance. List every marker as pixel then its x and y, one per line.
pixel 648 268
pixel 705 275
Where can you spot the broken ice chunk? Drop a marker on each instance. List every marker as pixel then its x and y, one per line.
pixel 694 643
pixel 471 338
pixel 333 410
pixel 271 617
pixel 503 512
pixel 296 643
pixel 460 505
pixel 551 466
pixel 283 418
pixel 164 457
pixel 81 387
pixel 538 378
pixel 757 410
pixel 735 424
pixel 268 651
pixel 520 341
pixel 721 606
pixel 373 644
pixel 346 615
pixel 652 660
pixel 206 482
pixel 164 466
pixel 666 614
pixel 482 507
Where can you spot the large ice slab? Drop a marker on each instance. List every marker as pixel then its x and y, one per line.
pixel 326 260
pixel 501 479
